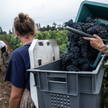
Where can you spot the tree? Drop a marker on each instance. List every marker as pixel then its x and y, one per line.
pixel 1 30
pixel 43 28
pixel 4 32
pixel 53 28
pixel 48 28
pixel 63 26
pixel 13 30
pixel 39 26
pixel 54 24
pixel 59 26
pixel 10 31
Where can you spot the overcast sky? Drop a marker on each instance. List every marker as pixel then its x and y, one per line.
pixel 44 12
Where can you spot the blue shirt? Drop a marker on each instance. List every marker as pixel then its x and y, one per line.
pixel 16 72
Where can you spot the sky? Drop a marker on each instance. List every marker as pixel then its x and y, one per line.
pixel 44 12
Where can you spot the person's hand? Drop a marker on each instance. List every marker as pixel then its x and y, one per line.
pixel 96 42
pixel 6 53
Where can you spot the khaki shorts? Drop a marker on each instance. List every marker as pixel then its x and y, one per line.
pixel 26 101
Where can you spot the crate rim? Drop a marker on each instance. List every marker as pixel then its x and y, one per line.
pixel 99 4
pixel 34 70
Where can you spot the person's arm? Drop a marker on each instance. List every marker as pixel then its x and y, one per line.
pixel 15 98
pixel 6 47
pixel 104 49
pixel 98 44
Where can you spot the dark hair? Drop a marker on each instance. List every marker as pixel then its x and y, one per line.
pixel 24 25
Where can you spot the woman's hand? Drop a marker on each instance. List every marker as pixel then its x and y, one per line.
pixel 96 42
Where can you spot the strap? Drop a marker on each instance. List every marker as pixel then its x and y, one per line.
pixel 27 44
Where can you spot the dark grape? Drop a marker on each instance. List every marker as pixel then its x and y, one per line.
pixel 80 53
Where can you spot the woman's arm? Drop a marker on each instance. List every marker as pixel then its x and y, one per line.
pixel 104 49
pixel 98 44
pixel 15 98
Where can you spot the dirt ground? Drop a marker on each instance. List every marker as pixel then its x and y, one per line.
pixel 5 87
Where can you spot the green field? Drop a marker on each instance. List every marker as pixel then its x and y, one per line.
pixel 60 38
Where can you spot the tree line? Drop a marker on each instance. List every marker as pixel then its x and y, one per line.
pixel 2 32
pixel 44 28
pixel 48 27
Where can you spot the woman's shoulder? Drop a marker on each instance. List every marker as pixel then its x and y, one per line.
pixel 16 51
pixel 20 49
pixel 20 52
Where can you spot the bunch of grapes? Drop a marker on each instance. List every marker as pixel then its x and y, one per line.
pixel 80 53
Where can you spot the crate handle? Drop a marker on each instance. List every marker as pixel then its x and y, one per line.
pixel 37 84
pixel 39 62
pixel 57 79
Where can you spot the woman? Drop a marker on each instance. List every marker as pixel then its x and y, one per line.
pixel 98 44
pixel 19 62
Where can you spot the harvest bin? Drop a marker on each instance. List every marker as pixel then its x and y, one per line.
pixel 71 89
pixel 94 10
pixel 98 12
pixel 68 89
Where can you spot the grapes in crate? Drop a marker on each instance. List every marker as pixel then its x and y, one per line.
pixel 80 53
